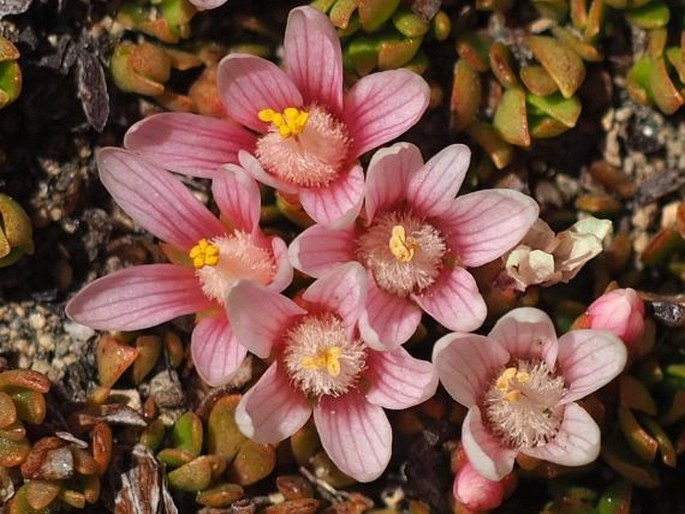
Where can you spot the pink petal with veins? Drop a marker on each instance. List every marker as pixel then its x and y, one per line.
pixel 272 410
pixel 398 380
pixel 138 297
pixel 155 199
pixel 215 350
pixel 313 58
pixel 383 106
pixel 355 434
pixel 186 143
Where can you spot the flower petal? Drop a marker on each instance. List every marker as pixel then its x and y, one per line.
pixel 251 165
pixel 485 452
pixel 577 442
pixel 432 189
pixel 484 225
pixel 383 106
pixel 284 271
pixel 248 84
pixel 355 434
pixel 388 175
pixel 337 204
pixel 588 360
pixel 465 364
pixel 246 304
pixel 313 58
pixel 207 4
pixel 237 195
pixel 454 301
pixel 341 290
pixel 398 380
pixel 215 350
pixel 138 297
pixel 527 333
pixel 187 143
pixel 155 199
pixel 388 320
pixel 320 249
pixel 272 410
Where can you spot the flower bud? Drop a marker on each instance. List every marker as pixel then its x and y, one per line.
pixel 140 68
pixel 477 493
pixel 621 312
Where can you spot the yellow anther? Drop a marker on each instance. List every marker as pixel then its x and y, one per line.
pixel 328 359
pixel 504 383
pixel 204 253
pixel 290 122
pixel 513 396
pixel 266 115
pixel 401 246
pixel 503 380
pixel 522 377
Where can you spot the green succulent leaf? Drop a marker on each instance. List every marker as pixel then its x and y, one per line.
pixel 565 110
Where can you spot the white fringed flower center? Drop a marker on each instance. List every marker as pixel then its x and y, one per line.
pixel 522 404
pixel 320 357
pixel 307 148
pixel 221 262
pixel 404 253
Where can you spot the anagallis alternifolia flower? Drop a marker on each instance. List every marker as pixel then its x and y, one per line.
pixel 304 130
pixel 521 384
pixel 416 240
pixel 322 365
pixel 209 257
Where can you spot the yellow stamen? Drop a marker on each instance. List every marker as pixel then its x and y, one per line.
pixel 401 246
pixel 522 377
pixel 329 359
pixel 513 396
pixel 504 383
pixel 503 380
pixel 290 122
pixel 204 253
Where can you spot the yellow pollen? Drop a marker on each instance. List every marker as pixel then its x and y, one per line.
pixel 503 380
pixel 504 383
pixel 290 122
pixel 328 359
pixel 401 246
pixel 204 254
pixel 513 396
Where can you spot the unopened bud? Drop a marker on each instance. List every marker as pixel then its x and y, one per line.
pixel 142 68
pixel 478 493
pixel 621 312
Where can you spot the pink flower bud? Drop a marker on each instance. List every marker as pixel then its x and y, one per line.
pixel 621 312
pixel 476 492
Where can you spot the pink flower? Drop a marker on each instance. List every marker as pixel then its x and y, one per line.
pixel 309 134
pixel 621 312
pixel 209 257
pixel 521 385
pixel 322 365
pixel 416 241
pixel 476 492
